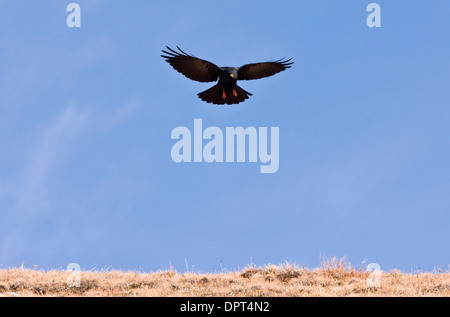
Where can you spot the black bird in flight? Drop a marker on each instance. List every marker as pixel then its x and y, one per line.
pixel 226 91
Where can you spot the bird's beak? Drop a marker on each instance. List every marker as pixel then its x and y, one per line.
pixel 231 75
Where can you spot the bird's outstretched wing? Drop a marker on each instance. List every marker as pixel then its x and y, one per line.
pixel 261 70
pixel 192 67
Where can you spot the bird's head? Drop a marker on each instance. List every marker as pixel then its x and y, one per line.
pixel 232 73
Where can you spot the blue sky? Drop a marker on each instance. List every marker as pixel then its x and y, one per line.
pixel 86 116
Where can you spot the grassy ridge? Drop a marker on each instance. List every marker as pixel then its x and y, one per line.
pixel 334 278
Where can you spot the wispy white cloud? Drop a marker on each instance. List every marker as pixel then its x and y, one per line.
pixel 115 117
pixel 56 138
pixel 29 195
pixel 30 69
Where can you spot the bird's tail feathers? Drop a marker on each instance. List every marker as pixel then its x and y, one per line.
pixel 220 96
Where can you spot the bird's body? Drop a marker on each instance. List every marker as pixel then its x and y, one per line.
pixel 226 91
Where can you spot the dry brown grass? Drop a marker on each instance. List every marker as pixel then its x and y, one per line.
pixel 334 278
